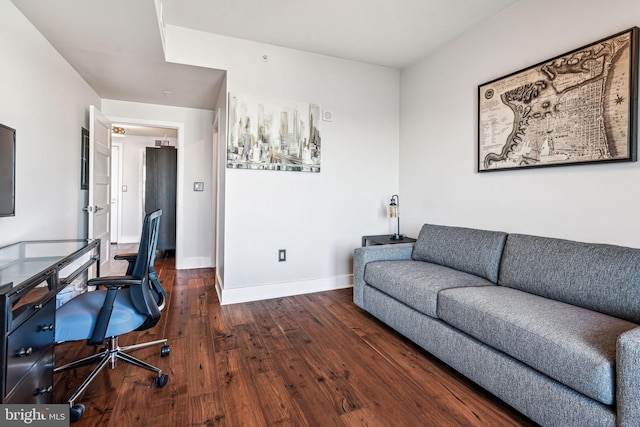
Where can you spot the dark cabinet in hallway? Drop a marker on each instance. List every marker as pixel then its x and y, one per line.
pixel 160 191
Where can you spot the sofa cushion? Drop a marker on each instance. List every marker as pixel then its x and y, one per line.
pixel 600 277
pixel 570 344
pixel 466 249
pixel 417 283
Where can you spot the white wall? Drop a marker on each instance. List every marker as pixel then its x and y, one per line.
pixel 194 210
pixel 131 223
pixel 317 218
pixel 220 175
pixel 46 101
pixel 438 144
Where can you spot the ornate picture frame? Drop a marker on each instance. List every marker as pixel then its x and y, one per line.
pixel 577 108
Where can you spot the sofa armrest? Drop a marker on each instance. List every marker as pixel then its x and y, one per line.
pixel 364 255
pixel 628 378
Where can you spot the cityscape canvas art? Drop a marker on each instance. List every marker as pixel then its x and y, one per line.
pixel 267 134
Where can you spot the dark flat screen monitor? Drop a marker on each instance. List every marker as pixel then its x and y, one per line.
pixel 7 171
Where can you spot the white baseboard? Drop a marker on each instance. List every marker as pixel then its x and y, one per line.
pixel 277 290
pixel 190 263
pixel 129 239
pixel 219 286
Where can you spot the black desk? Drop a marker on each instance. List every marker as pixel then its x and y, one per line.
pixel 385 239
pixel 35 277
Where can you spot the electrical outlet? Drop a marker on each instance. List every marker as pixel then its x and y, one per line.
pixel 282 255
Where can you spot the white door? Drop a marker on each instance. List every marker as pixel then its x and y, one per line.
pixel 100 184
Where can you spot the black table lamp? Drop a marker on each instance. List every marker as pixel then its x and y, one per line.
pixel 394 212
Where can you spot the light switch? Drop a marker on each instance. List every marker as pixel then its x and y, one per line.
pixel 124 189
pixel 198 186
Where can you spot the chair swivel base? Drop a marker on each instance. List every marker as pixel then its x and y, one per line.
pixel 109 355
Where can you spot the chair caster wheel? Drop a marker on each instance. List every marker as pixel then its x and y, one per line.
pixel 75 412
pixel 161 381
pixel 165 350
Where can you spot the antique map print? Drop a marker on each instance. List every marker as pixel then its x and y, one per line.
pixel 573 109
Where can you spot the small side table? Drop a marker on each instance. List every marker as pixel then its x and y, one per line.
pixel 385 239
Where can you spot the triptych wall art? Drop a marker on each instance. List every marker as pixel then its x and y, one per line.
pixel 267 134
pixel 578 108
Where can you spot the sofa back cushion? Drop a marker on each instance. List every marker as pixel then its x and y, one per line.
pixel 466 249
pixel 604 278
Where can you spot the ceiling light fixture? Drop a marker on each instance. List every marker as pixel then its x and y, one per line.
pixel 118 131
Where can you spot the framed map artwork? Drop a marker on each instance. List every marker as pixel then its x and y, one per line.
pixel 578 108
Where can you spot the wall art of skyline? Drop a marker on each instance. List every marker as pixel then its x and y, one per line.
pixel 278 135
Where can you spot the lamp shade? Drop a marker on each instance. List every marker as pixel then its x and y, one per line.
pixel 394 212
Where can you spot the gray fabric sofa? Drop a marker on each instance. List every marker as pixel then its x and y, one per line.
pixel 549 326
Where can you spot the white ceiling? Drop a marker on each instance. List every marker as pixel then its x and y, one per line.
pixel 393 33
pixel 115 44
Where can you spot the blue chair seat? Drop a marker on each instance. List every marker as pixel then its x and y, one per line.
pixel 76 319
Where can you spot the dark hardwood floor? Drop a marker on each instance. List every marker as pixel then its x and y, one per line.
pixel 309 360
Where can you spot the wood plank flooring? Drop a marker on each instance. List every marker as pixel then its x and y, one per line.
pixel 309 360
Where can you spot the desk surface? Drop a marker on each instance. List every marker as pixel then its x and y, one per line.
pixel 21 261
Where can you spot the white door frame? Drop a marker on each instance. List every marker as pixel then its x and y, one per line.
pixel 180 178
pixel 116 190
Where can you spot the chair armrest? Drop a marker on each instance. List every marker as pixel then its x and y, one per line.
pixel 131 258
pixel 114 281
pixel 628 378
pixel 128 257
pixel 113 284
pixel 104 316
pixel 367 254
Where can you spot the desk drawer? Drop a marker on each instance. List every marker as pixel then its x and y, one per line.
pixel 29 342
pixel 37 386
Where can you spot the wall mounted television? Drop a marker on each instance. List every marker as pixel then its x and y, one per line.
pixel 7 171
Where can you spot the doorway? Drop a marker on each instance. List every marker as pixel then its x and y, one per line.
pixel 129 183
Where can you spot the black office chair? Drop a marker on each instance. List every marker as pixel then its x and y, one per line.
pixel 129 303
